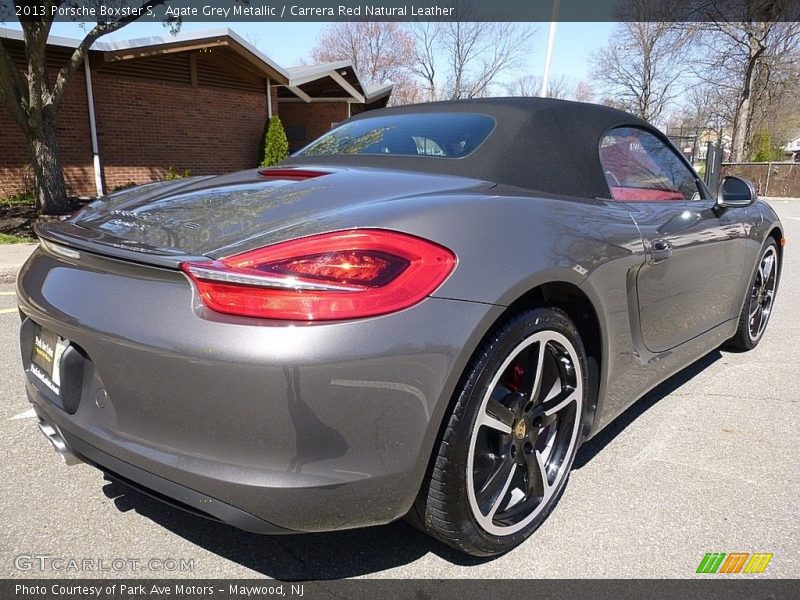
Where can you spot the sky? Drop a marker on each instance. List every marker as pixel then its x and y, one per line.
pixel 290 43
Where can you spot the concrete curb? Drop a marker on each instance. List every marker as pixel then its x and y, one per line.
pixel 8 274
pixel 12 257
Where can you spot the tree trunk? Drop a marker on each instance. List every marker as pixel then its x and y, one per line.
pixel 743 116
pixel 51 189
pixel 740 123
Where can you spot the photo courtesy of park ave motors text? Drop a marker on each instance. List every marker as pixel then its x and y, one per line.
pixel 300 294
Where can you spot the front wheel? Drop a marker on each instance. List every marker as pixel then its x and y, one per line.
pixel 757 307
pixel 511 438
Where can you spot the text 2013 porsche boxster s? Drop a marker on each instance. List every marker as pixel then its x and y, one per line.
pixel 424 312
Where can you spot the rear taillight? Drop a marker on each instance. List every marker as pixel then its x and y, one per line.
pixel 341 275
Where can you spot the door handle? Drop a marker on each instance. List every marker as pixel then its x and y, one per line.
pixel 660 250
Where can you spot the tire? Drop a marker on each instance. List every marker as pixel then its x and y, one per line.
pixel 485 493
pixel 759 300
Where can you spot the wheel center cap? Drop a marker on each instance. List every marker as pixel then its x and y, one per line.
pixel 520 429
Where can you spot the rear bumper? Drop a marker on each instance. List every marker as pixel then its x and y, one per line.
pixel 267 426
pixel 73 449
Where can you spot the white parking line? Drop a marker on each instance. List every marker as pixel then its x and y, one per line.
pixel 8 293
pixel 28 414
pixel 4 311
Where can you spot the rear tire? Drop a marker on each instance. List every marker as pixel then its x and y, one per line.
pixel 511 438
pixel 760 299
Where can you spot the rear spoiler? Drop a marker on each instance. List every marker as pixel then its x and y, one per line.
pixel 75 237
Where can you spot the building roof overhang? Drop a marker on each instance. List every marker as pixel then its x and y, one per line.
pixel 329 81
pixel 334 81
pixel 184 41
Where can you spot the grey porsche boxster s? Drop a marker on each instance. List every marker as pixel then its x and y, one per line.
pixel 423 313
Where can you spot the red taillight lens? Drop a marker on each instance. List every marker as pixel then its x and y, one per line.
pixel 352 267
pixel 340 275
pixel 290 173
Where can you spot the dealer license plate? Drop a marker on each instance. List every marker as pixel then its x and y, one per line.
pixel 46 358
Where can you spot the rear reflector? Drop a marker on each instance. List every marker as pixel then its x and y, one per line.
pixel 332 276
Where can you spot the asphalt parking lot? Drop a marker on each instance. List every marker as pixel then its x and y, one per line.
pixel 708 462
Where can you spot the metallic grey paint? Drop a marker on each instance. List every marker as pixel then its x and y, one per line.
pixel 312 427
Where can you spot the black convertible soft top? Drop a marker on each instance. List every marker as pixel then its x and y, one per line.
pixel 541 144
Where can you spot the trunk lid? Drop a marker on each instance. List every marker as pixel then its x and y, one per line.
pixel 166 223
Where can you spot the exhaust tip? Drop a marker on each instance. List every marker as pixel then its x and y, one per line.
pixel 57 441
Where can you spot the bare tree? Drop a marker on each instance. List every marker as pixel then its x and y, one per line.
pixel 526 86
pixel 776 110
pixel 426 34
pixel 709 106
pixel 33 98
pixel 559 86
pixel 380 52
pixel 613 102
pixel 642 65
pixel 750 50
pixel 477 53
pixel 253 38
pixel 463 59
pixel 583 92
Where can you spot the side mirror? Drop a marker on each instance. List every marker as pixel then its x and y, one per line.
pixel 736 192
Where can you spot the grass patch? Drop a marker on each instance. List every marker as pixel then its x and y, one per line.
pixel 18 200
pixel 15 239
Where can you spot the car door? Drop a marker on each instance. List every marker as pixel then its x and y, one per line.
pixel 693 270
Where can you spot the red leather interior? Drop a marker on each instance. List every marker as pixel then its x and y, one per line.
pixel 643 194
pixel 625 168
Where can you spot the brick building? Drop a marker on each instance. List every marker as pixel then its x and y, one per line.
pixel 197 101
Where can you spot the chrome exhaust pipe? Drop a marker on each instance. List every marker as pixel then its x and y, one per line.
pixel 54 437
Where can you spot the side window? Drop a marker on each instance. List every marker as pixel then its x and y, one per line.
pixel 640 167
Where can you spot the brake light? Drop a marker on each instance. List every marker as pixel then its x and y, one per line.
pixel 341 275
pixel 290 173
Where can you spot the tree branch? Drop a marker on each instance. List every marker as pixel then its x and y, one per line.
pixel 78 56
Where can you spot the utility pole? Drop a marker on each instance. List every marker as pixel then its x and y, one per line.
pixel 551 38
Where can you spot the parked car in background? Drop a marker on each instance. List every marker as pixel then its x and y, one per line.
pixel 423 313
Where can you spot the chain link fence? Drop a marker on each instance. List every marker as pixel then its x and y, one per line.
pixel 773 179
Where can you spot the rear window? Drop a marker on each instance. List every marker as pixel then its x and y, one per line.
pixel 435 135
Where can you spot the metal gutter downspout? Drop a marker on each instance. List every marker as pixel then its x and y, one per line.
pixel 269 99
pixel 98 178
